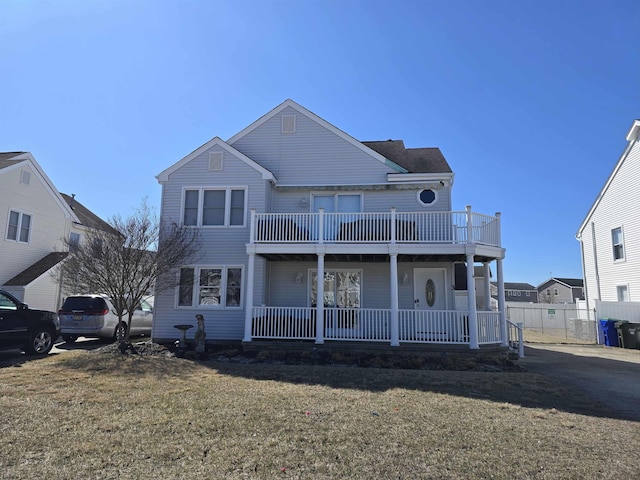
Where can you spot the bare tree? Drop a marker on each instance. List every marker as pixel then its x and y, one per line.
pixel 130 262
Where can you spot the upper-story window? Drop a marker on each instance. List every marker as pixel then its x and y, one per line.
pixel 19 227
pixel 74 241
pixel 221 207
pixel 618 243
pixel 427 196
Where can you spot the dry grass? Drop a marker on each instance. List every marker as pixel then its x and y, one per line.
pixel 83 415
pixel 535 336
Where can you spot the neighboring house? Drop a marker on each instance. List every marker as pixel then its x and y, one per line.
pixel 516 292
pixel 35 220
pixel 561 290
pixel 290 199
pixel 609 235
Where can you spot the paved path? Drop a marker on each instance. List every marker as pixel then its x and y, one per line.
pixel 610 375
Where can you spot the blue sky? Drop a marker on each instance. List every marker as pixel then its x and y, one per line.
pixel 530 101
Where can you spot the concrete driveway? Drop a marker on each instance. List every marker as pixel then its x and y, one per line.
pixel 610 375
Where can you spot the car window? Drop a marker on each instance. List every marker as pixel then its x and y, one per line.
pixel 145 306
pixel 6 303
pixel 84 303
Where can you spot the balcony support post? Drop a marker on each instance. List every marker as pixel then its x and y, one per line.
pixel 248 303
pixel 252 226
pixel 320 296
pixel 394 234
pixel 487 286
pixel 501 304
pixel 470 238
pixel 393 270
pixel 473 313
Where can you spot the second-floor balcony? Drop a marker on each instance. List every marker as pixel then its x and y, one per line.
pixel 451 227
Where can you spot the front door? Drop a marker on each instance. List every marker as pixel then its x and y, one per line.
pixel 429 289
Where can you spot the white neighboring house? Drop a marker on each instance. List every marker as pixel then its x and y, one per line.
pixel 292 199
pixel 35 219
pixel 610 233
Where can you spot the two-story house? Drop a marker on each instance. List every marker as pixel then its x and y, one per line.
pixel 609 235
pixel 310 234
pixel 561 290
pixel 520 292
pixel 36 219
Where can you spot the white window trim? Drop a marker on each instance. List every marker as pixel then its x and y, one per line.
pixel 624 250
pixel 435 200
pixel 227 206
pixel 20 215
pixel 196 288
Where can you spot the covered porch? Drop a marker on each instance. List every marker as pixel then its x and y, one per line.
pixel 459 323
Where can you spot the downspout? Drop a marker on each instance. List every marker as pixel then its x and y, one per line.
pixel 595 260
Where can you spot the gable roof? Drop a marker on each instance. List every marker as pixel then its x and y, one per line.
pixel 567 282
pixel 303 111
pixel 37 269
pixel 516 286
pixel 632 137
pixel 11 160
pixel 215 141
pixel 414 160
pixel 86 217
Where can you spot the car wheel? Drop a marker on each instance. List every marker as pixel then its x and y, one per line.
pixel 121 332
pixel 70 338
pixel 40 341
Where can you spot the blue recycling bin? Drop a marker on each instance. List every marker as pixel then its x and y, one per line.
pixel 609 332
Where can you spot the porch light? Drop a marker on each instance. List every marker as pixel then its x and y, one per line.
pixel 299 277
pixel 404 279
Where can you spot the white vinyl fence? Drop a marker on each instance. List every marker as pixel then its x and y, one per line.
pixel 566 321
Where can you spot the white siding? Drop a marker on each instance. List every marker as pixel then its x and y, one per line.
pixel 48 223
pixel 619 207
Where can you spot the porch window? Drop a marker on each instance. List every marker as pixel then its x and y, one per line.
pixel 19 227
pixel 618 243
pixel 210 287
pixel 221 207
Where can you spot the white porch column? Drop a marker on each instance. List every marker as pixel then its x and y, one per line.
pixel 393 278
pixel 248 303
pixel 501 304
pixel 320 300
pixel 473 314
pixel 487 286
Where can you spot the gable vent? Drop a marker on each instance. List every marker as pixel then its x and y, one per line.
pixel 288 124
pixel 25 177
pixel 215 161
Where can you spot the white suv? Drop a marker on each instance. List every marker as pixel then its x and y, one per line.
pixel 93 316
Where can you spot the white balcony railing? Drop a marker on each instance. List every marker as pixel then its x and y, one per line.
pixel 382 227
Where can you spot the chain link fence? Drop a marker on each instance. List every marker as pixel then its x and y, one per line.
pixel 555 322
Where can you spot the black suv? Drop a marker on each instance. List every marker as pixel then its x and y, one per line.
pixel 33 331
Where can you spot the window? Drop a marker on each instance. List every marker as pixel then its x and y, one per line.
pixel 618 243
pixel 210 287
pixel 74 241
pixel 426 197
pixel 623 293
pixel 341 288
pixel 555 292
pixel 215 207
pixel 19 228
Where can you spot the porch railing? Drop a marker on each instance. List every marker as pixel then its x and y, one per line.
pixel 381 227
pixel 373 325
pixel 516 337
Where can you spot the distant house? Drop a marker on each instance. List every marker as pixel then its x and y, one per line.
pixel 561 290
pixel 517 292
pixel 609 235
pixel 36 219
pixel 311 235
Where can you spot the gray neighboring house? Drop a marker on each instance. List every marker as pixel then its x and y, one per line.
pixel 561 290
pixel 311 235
pixel 609 235
pixel 517 292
